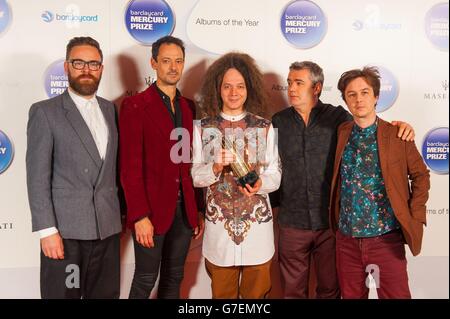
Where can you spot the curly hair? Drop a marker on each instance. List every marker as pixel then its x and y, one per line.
pixel 210 101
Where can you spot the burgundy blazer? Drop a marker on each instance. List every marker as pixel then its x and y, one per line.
pixel 400 162
pixel 149 177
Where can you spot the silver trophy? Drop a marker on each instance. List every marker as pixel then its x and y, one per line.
pixel 239 167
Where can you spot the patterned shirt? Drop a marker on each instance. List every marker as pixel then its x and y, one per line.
pixel 238 229
pixel 365 208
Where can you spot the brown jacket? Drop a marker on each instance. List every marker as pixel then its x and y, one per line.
pixel 400 162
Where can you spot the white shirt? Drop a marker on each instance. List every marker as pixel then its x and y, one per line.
pixel 258 246
pixel 95 121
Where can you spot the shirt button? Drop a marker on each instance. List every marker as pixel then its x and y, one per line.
pixel 177 180
pixel 86 170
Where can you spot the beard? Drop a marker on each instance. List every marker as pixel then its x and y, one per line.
pixel 84 88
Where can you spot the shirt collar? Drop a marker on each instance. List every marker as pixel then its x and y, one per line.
pixel 81 101
pixel 165 96
pixel 316 108
pixel 368 130
pixel 233 118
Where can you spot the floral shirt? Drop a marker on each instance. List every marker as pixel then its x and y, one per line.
pixel 365 208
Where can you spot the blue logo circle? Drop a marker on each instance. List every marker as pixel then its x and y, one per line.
pixel 357 25
pixel 436 26
pixel 55 79
pixel 303 24
pixel 435 150
pixel 47 16
pixel 6 152
pixel 388 90
pixel 5 15
pixel 149 20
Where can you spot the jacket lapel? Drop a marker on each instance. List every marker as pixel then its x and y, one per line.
pixel 109 147
pixel 342 141
pixel 186 114
pixel 157 111
pixel 383 146
pixel 109 123
pixel 79 125
pixel 343 136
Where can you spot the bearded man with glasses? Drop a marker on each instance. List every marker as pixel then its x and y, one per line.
pixel 71 178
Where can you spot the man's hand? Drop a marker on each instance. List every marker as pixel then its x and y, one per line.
pixel 405 131
pixel 144 232
pixel 223 158
pixel 250 191
pixel 198 231
pixel 52 246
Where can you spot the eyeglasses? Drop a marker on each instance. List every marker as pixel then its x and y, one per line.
pixel 78 64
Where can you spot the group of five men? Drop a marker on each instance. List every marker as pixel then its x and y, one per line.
pixel 345 196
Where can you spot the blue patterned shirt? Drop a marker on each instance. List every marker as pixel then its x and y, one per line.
pixel 365 208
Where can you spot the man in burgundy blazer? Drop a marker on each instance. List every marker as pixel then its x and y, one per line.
pixel 161 205
pixel 378 194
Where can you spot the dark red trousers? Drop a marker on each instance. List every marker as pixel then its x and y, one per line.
pixel 296 248
pixel 382 256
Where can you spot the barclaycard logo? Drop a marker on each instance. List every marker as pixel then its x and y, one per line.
pixel 5 16
pixel 359 25
pixel 373 20
pixel 303 24
pixel 435 150
pixel 70 16
pixel 47 16
pixel 148 20
pixel 6 152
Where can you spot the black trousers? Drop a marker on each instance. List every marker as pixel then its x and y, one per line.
pixel 90 270
pixel 169 254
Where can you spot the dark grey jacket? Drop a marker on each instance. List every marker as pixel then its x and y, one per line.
pixel 69 186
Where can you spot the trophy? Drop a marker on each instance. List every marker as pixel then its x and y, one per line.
pixel 239 167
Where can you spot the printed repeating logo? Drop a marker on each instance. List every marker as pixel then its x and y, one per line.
pixel 435 150
pixel 72 17
pixel 149 20
pixel 55 79
pixel 373 20
pixel 303 24
pixel 6 226
pixel 388 90
pixel 47 16
pixel 6 152
pixel 436 26
pixel 439 92
pixel 5 16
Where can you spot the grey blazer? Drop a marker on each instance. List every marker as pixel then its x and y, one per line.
pixel 69 186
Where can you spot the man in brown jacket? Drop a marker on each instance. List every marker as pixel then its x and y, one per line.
pixel 374 208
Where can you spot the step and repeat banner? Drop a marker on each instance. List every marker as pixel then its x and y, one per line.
pixel 407 40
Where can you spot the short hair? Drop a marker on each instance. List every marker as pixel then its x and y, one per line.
pixel 77 41
pixel 369 73
pixel 168 39
pixel 315 71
